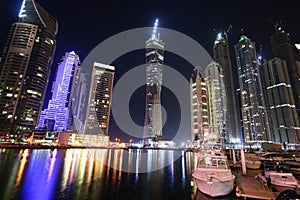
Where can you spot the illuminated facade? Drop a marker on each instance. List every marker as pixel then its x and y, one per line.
pixel 99 99
pixel 77 101
pixel 199 107
pixel 154 72
pixel 217 99
pixel 255 121
pixel 58 110
pixel 25 68
pixel 283 118
pixel 222 56
pixel 283 48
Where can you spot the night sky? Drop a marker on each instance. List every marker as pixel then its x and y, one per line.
pixel 84 24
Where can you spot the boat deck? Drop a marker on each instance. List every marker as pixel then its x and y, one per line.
pixel 249 187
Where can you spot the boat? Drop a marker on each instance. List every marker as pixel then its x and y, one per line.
pixel 213 175
pixel 252 161
pixel 283 181
pixel 280 177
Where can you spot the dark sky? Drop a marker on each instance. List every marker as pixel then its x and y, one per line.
pixel 84 24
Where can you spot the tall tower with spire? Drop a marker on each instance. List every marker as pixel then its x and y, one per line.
pixel 255 121
pixel 25 68
pixel 154 71
pixel 222 56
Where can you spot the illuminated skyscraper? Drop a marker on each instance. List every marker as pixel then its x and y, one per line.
pixel 222 56
pixel 283 48
pixel 154 72
pixel 199 107
pixel 25 68
pixel 77 101
pixel 284 122
pixel 58 110
pixel 255 122
pixel 99 99
pixel 217 99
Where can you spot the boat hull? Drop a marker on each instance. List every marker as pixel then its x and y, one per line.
pixel 283 181
pixel 215 185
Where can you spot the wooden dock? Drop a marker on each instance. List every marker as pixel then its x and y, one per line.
pixel 249 187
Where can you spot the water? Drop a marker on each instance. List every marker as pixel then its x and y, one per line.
pixel 44 174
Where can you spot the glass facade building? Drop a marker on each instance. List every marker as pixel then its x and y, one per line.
pixel 283 118
pixel 199 107
pixel 254 116
pixel 222 56
pixel 154 73
pixel 25 68
pixel 56 115
pixel 217 100
pixel 283 48
pixel 99 99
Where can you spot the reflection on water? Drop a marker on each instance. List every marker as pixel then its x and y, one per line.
pixel 85 174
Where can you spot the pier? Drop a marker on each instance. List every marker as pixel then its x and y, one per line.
pixel 250 187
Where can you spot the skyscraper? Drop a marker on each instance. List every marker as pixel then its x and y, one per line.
pixel 77 101
pixel 99 99
pixel 217 99
pixel 255 122
pixel 25 68
pixel 154 72
pixel 222 56
pixel 199 107
pixel 284 122
pixel 58 110
pixel 283 48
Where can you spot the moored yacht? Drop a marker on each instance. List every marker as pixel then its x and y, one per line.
pixel 213 176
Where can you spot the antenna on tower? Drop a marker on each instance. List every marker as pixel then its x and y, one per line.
pixel 275 25
pixel 229 28
pixel 227 31
pixel 155 28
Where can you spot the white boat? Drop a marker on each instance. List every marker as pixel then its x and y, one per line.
pixel 283 181
pixel 213 176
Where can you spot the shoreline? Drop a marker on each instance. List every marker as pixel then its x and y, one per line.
pixel 25 146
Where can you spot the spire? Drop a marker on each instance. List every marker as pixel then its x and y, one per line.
pixel 243 36
pixel 31 12
pixel 154 32
pixel 22 12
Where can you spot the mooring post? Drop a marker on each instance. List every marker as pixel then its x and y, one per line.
pixel 243 161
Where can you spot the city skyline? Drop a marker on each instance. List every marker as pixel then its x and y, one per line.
pixel 168 20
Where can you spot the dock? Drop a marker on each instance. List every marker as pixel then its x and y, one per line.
pixel 250 187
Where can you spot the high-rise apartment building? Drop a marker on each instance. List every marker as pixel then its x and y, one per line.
pixel 214 80
pixel 254 116
pixel 199 107
pixel 25 68
pixel 154 73
pixel 99 99
pixel 222 56
pixel 283 118
pixel 283 48
pixel 56 115
pixel 77 101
